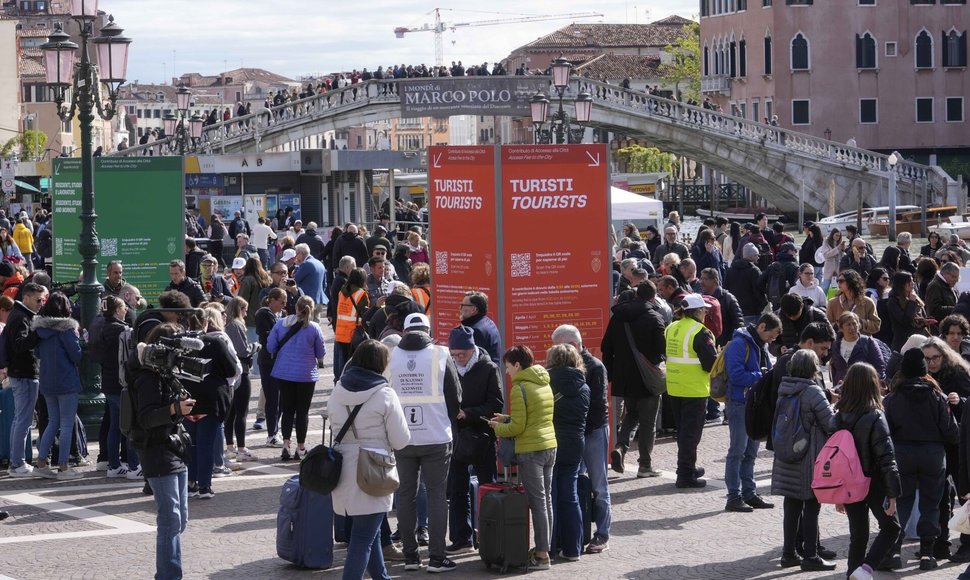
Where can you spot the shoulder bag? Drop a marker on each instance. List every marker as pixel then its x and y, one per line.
pixel 320 469
pixel 506 445
pixel 286 338
pixel 376 470
pixel 654 377
pixel 360 333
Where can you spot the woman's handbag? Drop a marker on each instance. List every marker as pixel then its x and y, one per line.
pixel 320 469
pixel 961 519
pixel 376 470
pixel 654 377
pixel 470 446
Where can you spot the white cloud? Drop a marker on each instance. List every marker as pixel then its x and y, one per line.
pixel 298 37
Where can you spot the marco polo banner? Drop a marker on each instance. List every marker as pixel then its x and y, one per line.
pixel 445 96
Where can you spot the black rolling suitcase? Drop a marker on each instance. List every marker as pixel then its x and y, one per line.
pixel 503 527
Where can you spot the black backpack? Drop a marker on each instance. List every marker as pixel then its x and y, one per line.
pixel 759 413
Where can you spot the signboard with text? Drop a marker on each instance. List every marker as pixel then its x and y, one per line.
pixel 140 208
pixel 553 280
pixel 445 96
pixel 461 189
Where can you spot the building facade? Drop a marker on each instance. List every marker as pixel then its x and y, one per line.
pixel 890 74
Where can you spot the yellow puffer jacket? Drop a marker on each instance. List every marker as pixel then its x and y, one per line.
pixel 24 239
pixel 531 419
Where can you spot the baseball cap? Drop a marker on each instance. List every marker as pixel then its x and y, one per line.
pixel 238 263
pixel 288 254
pixel 418 321
pixel 210 258
pixel 693 301
pixel 787 247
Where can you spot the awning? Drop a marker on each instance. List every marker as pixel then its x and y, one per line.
pixel 25 185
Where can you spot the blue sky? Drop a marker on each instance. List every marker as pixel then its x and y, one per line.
pixel 298 37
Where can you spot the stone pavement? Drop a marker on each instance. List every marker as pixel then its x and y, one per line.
pixel 100 528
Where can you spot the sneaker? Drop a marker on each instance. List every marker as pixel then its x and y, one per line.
pixel 285 455
pixel 119 471
pixel 299 454
pixel 392 553
pixel 456 549
pixel 412 563
pixel 423 537
pixel 737 505
pixel 194 490
pixel 598 545
pixel 81 461
pixel 616 459
pixel 25 470
pixel 274 441
pixel 537 563
pixel 927 563
pixel 647 472
pixel 569 558
pixel 69 474
pixel 206 493
pixel 889 563
pixel 47 472
pixel 259 425
pixel 244 454
pixel 759 503
pixel 220 471
pixel 863 572
pixel 134 475
pixel 443 565
pixel 695 483
pixel 101 466
pixel 396 536
pixel 233 465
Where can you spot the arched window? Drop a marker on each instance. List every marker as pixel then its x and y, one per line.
pixel 954 49
pixel 924 50
pixel 707 70
pixel 733 58
pixel 767 54
pixel 865 51
pixel 799 53
pixel 742 58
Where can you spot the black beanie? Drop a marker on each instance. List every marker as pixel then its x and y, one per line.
pixel 914 365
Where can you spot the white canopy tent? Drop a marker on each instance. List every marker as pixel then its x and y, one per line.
pixel 627 206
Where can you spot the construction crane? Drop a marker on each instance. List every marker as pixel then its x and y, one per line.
pixel 439 27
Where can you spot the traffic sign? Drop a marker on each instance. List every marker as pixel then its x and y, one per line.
pixel 8 185
pixel 8 172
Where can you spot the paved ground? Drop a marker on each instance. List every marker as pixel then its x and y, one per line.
pixel 100 528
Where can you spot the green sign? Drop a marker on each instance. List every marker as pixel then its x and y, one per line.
pixel 140 206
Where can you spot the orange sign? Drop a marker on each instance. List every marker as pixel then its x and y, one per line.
pixel 552 279
pixel 461 187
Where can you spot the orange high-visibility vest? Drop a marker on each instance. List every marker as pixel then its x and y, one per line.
pixel 347 318
pixel 422 296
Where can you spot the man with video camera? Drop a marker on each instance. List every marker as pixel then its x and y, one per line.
pixel 163 444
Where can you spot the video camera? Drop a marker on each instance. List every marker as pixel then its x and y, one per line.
pixel 173 356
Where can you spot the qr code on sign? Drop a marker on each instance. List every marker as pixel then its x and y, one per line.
pixel 521 265
pixel 109 247
pixel 441 262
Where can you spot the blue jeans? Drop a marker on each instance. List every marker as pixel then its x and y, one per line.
pixel 594 462
pixel 818 274
pixel 114 436
pixel 171 500
pixel 567 517
pixel 203 433
pixel 24 401
pixel 364 550
pixel 340 357
pixel 263 257
pixel 61 410
pixel 739 467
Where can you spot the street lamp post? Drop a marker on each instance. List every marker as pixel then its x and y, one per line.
pixel 84 78
pixel 892 161
pixel 560 129
pixel 175 126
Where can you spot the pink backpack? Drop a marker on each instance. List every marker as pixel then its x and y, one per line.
pixel 838 476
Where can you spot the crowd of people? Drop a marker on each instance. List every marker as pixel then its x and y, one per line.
pixel 892 331
pixel 737 305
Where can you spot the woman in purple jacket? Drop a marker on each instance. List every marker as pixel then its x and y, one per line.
pixel 297 342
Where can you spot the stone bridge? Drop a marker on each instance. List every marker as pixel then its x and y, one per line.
pixel 781 165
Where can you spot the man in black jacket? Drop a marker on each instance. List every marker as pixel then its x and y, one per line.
pixel 481 397
pixel 731 316
pixel 597 437
pixel 795 315
pixel 311 238
pixel 184 284
pixel 742 280
pixel 350 244
pixel 163 445
pixel 19 342
pixel 646 326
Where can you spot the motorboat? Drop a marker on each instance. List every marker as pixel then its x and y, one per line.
pixel 957 224
pixel 850 218
pixel 741 214
pixel 912 221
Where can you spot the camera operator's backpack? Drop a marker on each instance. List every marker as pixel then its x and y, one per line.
pixel 126 350
pixel 128 415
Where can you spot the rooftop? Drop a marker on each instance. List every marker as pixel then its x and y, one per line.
pixel 619 66
pixel 604 36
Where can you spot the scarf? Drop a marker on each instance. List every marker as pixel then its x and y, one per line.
pixel 468 366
